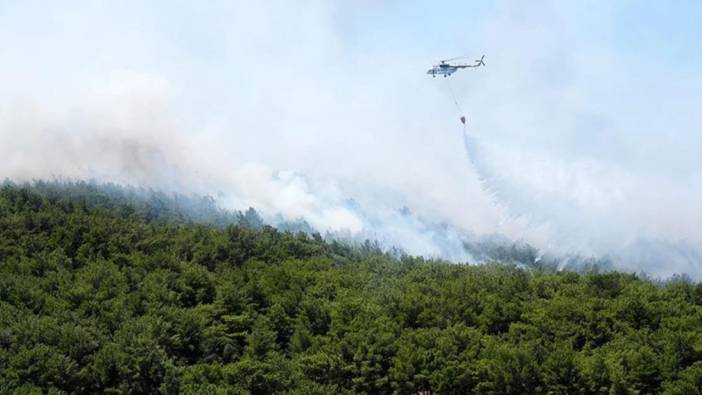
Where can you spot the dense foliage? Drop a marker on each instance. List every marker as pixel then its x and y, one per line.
pixel 103 290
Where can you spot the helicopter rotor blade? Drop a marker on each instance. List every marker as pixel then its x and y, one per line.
pixel 456 58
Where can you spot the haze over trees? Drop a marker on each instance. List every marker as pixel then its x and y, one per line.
pixel 109 289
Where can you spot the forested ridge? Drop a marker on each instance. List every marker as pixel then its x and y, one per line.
pixel 104 289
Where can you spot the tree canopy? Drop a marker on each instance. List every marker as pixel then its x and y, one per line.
pixel 106 289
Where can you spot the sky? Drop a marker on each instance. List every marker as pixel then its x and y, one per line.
pixel 583 129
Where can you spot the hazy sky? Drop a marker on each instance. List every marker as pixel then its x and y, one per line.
pixel 584 124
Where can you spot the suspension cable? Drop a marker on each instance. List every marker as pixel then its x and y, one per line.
pixel 455 101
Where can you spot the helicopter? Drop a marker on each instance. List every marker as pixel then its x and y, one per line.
pixel 446 69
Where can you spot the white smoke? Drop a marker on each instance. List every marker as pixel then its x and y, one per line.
pixel 122 131
pixel 321 111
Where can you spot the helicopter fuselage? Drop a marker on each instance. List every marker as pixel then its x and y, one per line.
pixel 446 69
pixel 442 69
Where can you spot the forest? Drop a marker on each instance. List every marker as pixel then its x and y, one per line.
pixel 107 289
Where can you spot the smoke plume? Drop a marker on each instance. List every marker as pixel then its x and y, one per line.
pixel 322 112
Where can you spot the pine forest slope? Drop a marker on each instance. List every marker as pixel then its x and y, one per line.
pixel 111 289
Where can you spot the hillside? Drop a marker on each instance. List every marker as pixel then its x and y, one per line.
pixel 109 289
